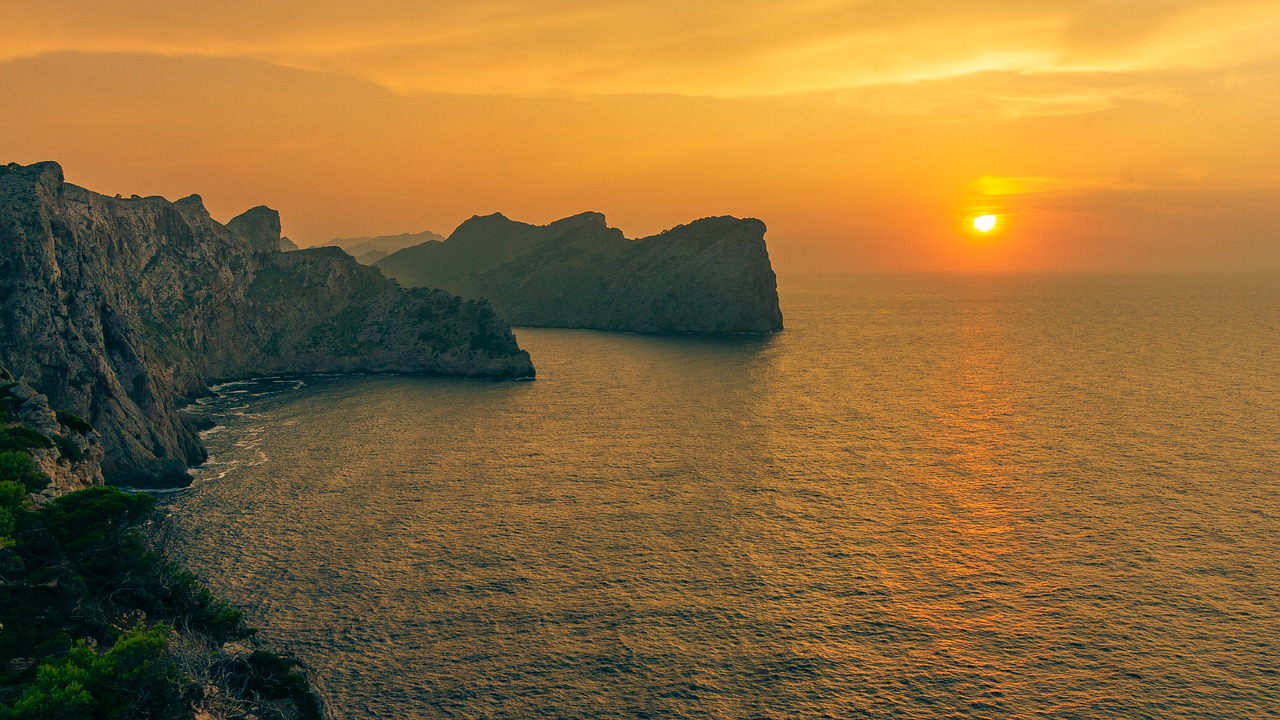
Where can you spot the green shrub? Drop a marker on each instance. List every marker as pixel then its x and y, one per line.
pixel 21 438
pixel 278 677
pixel 68 449
pixel 192 604
pixel 58 695
pixel 94 528
pixel 136 678
pixel 19 467
pixel 73 421
pixel 81 568
pixel 75 516
pixel 7 524
pixel 12 497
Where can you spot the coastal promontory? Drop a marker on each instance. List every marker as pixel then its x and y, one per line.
pixel 710 276
pixel 120 309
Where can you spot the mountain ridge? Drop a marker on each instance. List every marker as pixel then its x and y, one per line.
pixel 369 250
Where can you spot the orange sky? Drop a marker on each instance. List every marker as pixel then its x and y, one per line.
pixel 1136 135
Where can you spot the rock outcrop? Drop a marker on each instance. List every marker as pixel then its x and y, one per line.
pixel 63 446
pixel 710 276
pixel 120 309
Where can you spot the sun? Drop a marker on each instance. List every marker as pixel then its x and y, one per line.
pixel 985 223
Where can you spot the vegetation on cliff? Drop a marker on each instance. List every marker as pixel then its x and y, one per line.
pixel 95 621
pixel 59 448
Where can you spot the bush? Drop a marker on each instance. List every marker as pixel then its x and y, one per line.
pixel 78 516
pixel 278 677
pixel 82 568
pixel 21 438
pixel 68 449
pixel 72 421
pixel 136 678
pixel 20 468
pixel 13 496
pixel 191 603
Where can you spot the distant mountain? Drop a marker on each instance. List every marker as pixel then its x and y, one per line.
pixel 287 245
pixel 369 250
pixel 117 309
pixel 710 276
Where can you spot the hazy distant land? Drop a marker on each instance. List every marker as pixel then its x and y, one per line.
pixel 369 250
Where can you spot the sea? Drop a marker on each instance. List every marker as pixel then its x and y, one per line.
pixel 930 496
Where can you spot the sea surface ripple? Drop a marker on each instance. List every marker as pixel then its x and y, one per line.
pixel 929 497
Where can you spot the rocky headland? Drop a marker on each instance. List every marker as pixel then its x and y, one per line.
pixel 710 276
pixel 119 310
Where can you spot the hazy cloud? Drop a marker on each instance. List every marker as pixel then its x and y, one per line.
pixel 715 48
pixel 866 133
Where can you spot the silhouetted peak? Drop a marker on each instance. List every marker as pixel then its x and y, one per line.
pixel 46 171
pixel 191 204
pixel 484 225
pixel 260 226
pixel 592 220
pixel 745 233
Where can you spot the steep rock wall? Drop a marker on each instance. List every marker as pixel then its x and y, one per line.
pixel 119 309
pixel 64 446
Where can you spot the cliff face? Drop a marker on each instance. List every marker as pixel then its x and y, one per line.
pixel 710 276
pixel 118 309
pixel 63 446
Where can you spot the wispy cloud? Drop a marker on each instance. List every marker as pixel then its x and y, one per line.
pixel 1187 192
pixel 716 48
pixel 1001 95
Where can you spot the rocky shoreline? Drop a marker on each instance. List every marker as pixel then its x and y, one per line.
pixel 96 618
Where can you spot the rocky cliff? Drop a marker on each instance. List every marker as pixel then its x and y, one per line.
pixel 119 309
pixel 63 446
pixel 710 276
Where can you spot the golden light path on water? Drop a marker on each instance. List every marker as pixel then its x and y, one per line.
pixel 929 497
